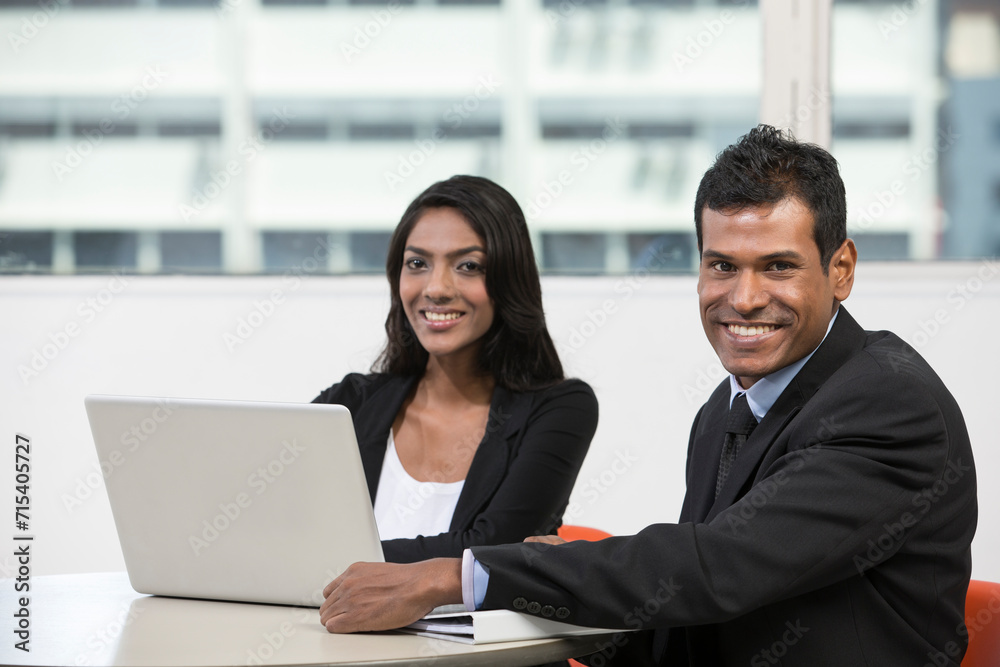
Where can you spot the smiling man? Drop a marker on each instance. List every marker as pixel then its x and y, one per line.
pixel 831 493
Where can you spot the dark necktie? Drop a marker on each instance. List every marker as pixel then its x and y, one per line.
pixel 738 428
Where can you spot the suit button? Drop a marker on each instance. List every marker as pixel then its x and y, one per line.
pixel 548 610
pixel 520 603
pixel 534 607
pixel 562 612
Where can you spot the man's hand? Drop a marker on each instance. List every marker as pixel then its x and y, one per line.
pixel 385 596
pixel 545 539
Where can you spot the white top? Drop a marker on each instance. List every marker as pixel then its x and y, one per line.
pixel 406 507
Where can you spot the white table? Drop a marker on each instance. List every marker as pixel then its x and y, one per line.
pixel 97 619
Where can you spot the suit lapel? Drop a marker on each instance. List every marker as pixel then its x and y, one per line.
pixel 704 454
pixel 508 412
pixel 844 340
pixel 373 434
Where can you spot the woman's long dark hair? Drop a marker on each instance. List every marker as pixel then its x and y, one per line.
pixel 517 350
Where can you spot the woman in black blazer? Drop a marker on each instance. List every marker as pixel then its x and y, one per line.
pixel 468 430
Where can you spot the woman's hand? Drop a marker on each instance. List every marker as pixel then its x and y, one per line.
pixel 545 539
pixel 385 596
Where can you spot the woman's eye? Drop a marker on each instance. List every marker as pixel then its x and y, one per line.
pixel 471 266
pixel 415 263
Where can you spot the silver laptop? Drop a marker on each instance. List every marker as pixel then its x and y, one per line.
pixel 234 500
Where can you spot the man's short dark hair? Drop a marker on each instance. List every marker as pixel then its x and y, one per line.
pixel 764 168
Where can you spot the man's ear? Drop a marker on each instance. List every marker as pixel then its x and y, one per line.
pixel 842 265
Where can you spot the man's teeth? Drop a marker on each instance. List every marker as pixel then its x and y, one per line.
pixel 441 317
pixel 750 331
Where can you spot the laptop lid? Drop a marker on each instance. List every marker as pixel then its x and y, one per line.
pixel 234 500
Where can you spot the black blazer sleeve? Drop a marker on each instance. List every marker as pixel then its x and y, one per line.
pixel 856 520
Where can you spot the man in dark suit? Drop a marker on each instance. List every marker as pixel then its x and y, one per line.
pixel 829 512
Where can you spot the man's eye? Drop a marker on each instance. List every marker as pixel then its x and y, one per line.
pixel 723 266
pixel 781 266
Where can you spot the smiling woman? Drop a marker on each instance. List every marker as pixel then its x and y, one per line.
pixel 468 430
pixel 442 285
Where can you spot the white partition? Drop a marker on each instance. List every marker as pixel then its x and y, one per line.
pixel 636 339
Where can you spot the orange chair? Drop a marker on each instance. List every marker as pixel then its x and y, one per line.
pixel 982 618
pixel 571 533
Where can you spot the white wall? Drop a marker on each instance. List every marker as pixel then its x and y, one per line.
pixel 647 360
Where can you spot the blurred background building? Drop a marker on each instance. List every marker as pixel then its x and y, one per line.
pixel 245 136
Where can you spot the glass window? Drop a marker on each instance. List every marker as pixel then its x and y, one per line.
pixel 666 252
pixel 25 251
pixel 191 251
pixel 368 250
pixel 600 118
pixel 26 129
pixel 289 250
pixel 105 250
pixel 574 253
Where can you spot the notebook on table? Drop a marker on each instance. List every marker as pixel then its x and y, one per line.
pixel 234 500
pixel 496 625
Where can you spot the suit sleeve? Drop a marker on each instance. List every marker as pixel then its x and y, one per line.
pixel 537 479
pixel 869 462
